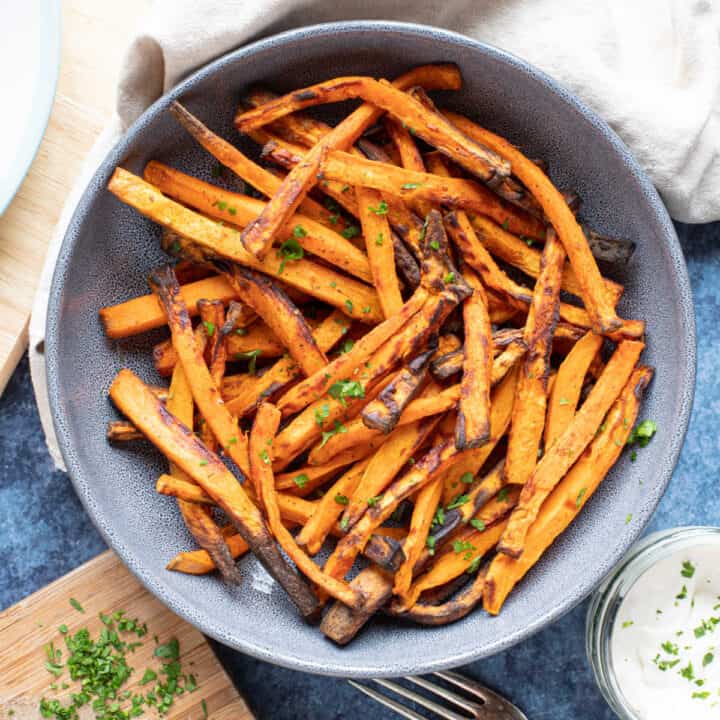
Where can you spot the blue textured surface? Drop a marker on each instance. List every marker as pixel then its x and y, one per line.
pixel 45 533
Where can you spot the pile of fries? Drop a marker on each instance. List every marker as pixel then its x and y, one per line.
pixel 406 348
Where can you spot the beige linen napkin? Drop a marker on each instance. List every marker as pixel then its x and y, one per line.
pixel 651 68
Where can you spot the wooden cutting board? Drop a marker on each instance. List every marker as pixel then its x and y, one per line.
pixel 94 38
pixel 104 585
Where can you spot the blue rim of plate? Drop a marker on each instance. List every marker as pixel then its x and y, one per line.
pixel 685 394
pixel 44 97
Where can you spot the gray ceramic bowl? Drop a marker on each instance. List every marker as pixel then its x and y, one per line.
pixel 109 249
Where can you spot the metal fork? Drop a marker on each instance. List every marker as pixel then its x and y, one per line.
pixel 486 705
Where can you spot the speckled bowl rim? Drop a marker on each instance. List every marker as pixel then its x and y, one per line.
pixel 453 658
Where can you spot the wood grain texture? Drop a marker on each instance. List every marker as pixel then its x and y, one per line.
pixel 104 585
pixel 94 38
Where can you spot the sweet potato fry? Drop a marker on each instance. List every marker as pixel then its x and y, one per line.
pixel 470 461
pixel 597 302
pixel 205 391
pixel 569 497
pixel 341 623
pixel 292 509
pixel 262 434
pixel 473 418
pixel 508 187
pixel 280 315
pixel 349 295
pixel 229 156
pixel 565 395
pixel 528 418
pixel 380 250
pixel 413 186
pixel 296 128
pixel 389 459
pixel 212 317
pixel 198 520
pixel 570 445
pixel 384 412
pixel 181 447
pixel 305 392
pixel 199 562
pixel 141 314
pixel 451 611
pixel 122 431
pixel 426 504
pixel 434 130
pixel 329 509
pixel 258 237
pixel 241 210
pixel 410 156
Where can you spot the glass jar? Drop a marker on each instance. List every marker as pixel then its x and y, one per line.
pixel 607 600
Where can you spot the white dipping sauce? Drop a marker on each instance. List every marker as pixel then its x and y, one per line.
pixel 665 645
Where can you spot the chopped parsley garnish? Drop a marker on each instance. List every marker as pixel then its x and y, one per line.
pixel 563 401
pixel 347 346
pixel 209 327
pixel 339 428
pixel 628 519
pixel 450 277
pixel 252 356
pixel 350 232
pixel 627 624
pixel 430 542
pixel 506 224
pixel 264 456
pixel 464 546
pixel 688 569
pixel 290 250
pixel 642 433
pixel 458 501
pixel 379 239
pixel 581 495
pixel 467 478
pixel 411 186
pixel 381 209
pixel 341 499
pixel 349 305
pixel 373 501
pixel 434 244
pixel 77 605
pixel 100 668
pixel 301 480
pixel 299 232
pixel 321 414
pixel 503 495
pixel 439 517
pixel 687 672
pixel 346 389
pixel 478 524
